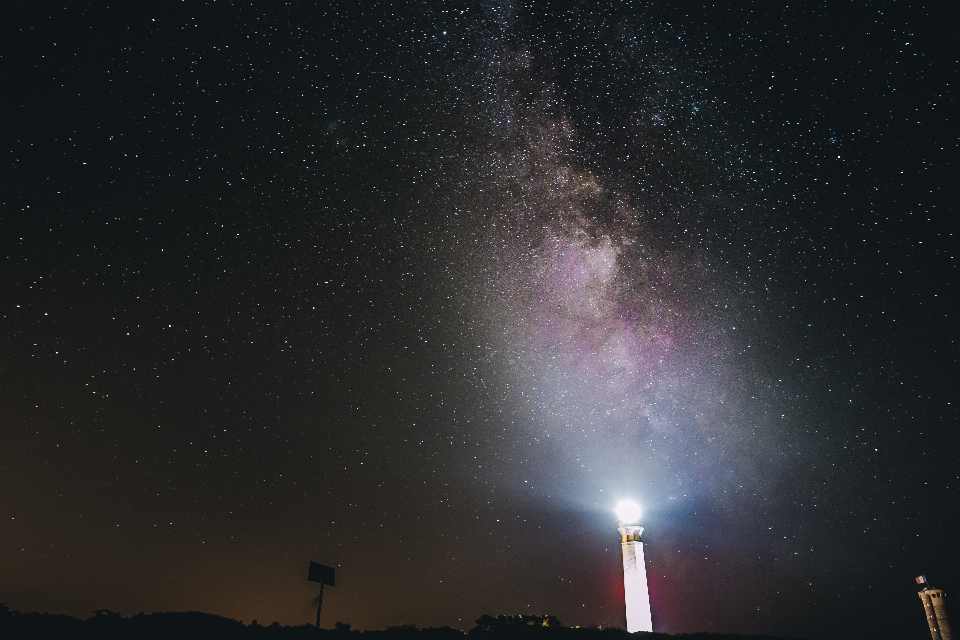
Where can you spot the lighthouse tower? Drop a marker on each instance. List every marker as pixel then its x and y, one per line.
pixel 933 605
pixel 636 596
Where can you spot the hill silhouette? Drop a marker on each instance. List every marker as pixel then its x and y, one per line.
pixel 194 625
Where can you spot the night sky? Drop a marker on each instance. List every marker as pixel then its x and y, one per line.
pixel 421 289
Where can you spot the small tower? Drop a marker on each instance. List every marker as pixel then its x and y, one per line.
pixel 934 607
pixel 636 595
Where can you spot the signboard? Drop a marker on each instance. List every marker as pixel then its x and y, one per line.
pixel 321 573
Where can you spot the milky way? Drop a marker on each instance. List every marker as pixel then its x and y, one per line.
pixel 614 337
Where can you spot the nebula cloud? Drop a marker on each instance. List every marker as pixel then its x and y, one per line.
pixel 612 338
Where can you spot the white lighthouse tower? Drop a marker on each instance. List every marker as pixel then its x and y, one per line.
pixel 636 596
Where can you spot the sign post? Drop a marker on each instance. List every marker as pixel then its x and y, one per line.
pixel 325 576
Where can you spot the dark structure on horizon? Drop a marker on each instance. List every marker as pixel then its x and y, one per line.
pixel 325 576
pixel 935 608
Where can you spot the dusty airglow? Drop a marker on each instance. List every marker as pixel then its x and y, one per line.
pixel 628 511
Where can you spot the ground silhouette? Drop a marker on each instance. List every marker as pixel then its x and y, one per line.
pixel 194 625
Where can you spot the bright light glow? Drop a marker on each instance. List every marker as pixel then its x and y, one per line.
pixel 628 511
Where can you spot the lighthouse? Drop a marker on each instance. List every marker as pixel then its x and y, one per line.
pixel 936 612
pixel 635 593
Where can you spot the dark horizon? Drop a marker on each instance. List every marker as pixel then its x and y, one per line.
pixel 419 290
pixel 106 623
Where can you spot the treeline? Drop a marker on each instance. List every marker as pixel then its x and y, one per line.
pixel 193 625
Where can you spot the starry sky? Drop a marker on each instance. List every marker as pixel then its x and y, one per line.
pixel 419 290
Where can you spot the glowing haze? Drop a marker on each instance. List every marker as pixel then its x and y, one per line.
pixel 607 322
